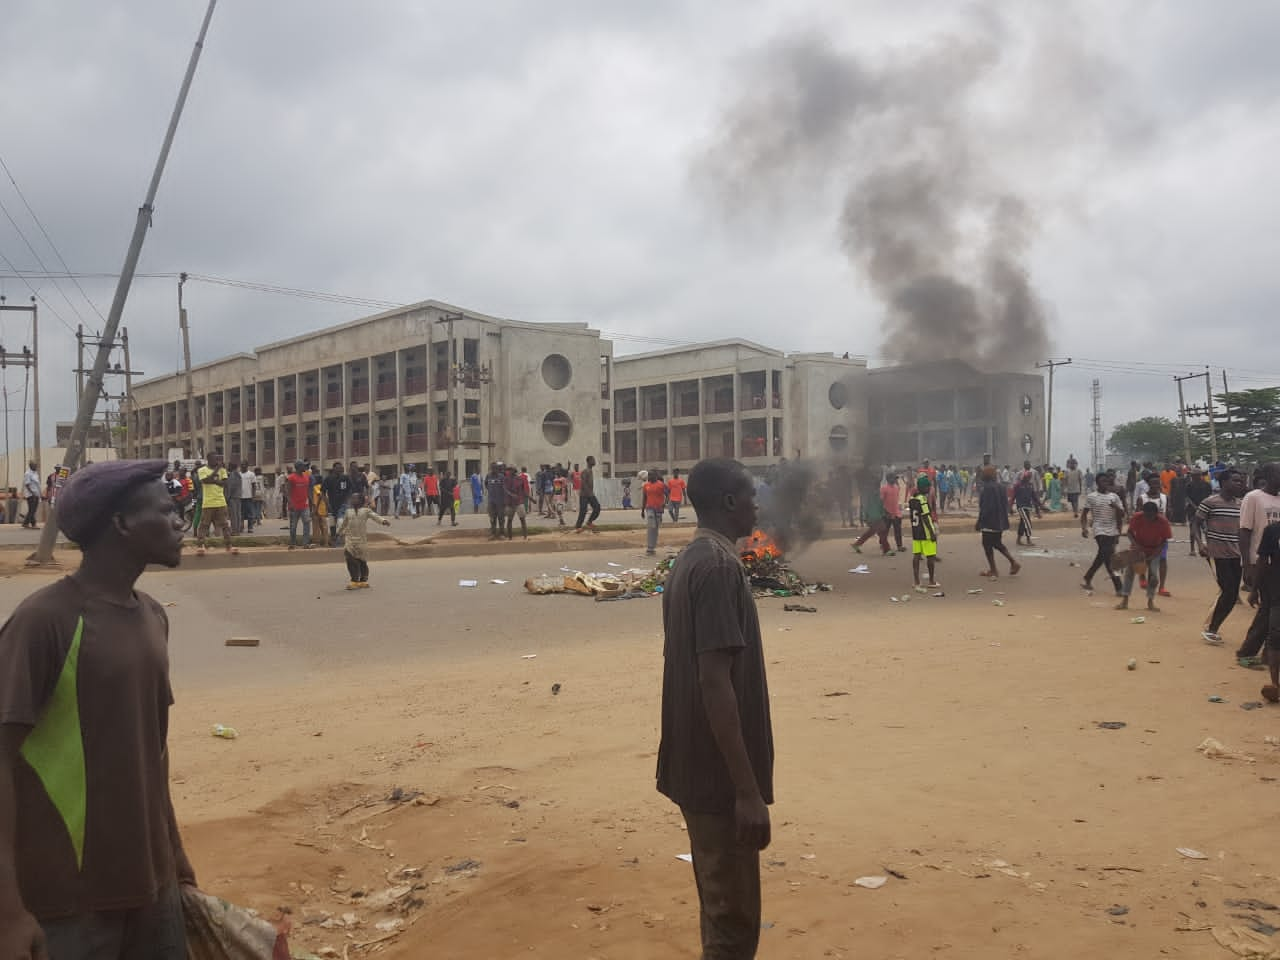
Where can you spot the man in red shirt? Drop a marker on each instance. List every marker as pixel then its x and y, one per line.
pixel 298 492
pixel 675 494
pixel 1149 531
pixel 431 490
pixel 655 502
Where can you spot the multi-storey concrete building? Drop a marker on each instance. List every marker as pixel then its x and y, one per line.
pixel 426 384
pixel 433 385
pixel 951 413
pixel 734 398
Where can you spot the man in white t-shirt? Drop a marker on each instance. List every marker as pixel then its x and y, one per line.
pixel 1258 508
pixel 1105 508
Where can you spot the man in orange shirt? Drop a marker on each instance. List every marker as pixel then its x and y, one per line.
pixel 675 494
pixel 1166 480
pixel 655 502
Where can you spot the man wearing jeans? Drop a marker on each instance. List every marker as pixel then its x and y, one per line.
pixel 655 501
pixel 715 759
pixel 1104 507
pixel 587 496
pixel 298 496
pixel 1218 516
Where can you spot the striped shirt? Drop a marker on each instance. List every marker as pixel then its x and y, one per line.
pixel 1221 518
pixel 1102 513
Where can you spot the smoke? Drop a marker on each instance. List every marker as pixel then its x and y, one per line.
pixel 790 508
pixel 913 145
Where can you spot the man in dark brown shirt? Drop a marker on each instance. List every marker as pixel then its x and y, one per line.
pixel 90 854
pixel 716 755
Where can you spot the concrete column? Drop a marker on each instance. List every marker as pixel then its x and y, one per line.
pixel 671 435
pixel 737 415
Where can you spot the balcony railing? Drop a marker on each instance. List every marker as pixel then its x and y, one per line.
pixel 251 414
pixel 754 446
pixel 291 451
pixel 217 419
pixel 625 416
pixel 386 445
pixel 311 451
pixel 415 442
pixel 310 404
pixel 268 411
pixel 656 412
pixel 289 407
pixel 332 451
pixel 359 448
pixel 235 416
pixel 386 389
pixel 332 398
pixel 360 394
pixel 414 385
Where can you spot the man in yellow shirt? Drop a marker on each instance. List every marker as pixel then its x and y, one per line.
pixel 213 503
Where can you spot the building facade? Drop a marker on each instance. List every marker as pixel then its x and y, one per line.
pixel 427 384
pixel 734 398
pixel 948 412
pixel 437 386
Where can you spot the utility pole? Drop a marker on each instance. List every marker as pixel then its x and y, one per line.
pixel 89 397
pixel 1097 425
pixel 1213 430
pixel 128 422
pixel 27 358
pixel 1048 440
pixel 35 384
pixel 186 364
pixel 1226 402
pixel 113 370
pixel 1182 413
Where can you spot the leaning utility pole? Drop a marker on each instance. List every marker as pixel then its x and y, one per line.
pixel 1048 440
pixel 89 398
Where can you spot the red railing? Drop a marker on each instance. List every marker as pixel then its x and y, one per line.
pixel 290 451
pixel 251 413
pixel 333 451
pixel 332 398
pixel 235 416
pixel 311 451
pixel 414 385
pixel 386 444
pixel 359 448
pixel 311 403
pixel 360 394
pixel 268 411
pixel 217 419
pixel 289 407
pixel 386 390
pixel 415 442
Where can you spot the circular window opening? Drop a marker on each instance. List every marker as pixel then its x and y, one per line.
pixel 838 394
pixel 556 371
pixel 838 438
pixel 557 428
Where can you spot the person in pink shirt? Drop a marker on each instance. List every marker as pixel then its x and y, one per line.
pixel 891 499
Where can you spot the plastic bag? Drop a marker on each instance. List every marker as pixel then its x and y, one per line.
pixel 217 930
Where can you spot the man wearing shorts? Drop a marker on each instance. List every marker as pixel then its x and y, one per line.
pixel 924 533
pixel 213 503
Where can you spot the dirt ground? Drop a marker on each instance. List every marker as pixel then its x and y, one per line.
pixel 948 743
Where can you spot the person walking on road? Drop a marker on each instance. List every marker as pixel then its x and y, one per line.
pixel 655 501
pixel 337 494
pixel 992 522
pixel 515 490
pixel 585 489
pixel 448 497
pixel 1073 485
pixel 91 856
pixel 891 502
pixel 1259 508
pixel 31 493
pixel 676 487
pixel 715 757
pixel 1218 516
pixel 1106 511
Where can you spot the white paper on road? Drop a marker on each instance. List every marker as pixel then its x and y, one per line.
pixel 612 564
pixel 528 656
pixel 499 582
pixel 468 583
pixel 861 568
pixel 686 857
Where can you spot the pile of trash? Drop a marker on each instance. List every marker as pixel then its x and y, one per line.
pixel 771 576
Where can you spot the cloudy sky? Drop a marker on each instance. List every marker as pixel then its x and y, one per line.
pixel 566 161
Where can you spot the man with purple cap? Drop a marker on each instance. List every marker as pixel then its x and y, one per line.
pixel 91 858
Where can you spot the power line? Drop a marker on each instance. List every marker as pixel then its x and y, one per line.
pixel 53 246
pixel 23 236
pixel 36 293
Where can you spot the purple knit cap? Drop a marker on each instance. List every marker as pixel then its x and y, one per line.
pixel 87 502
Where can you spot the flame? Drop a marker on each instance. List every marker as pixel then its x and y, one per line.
pixel 761 546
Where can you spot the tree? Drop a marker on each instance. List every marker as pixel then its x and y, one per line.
pixel 1250 433
pixel 1157 439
